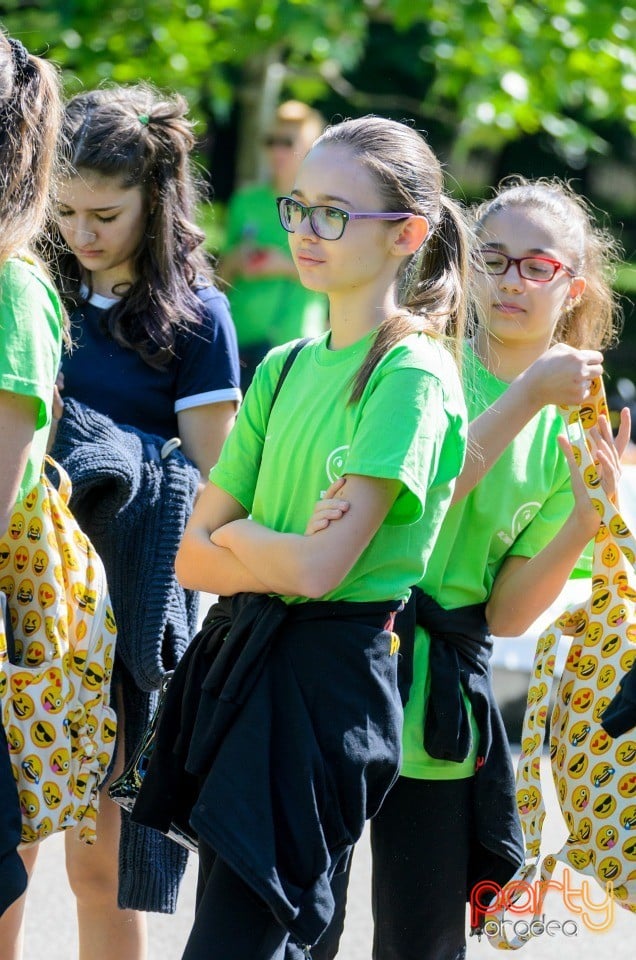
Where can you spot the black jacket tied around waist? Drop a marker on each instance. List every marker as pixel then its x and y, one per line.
pixel 280 735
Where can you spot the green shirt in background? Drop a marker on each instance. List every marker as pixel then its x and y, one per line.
pixel 30 348
pixel 516 510
pixel 409 425
pixel 270 310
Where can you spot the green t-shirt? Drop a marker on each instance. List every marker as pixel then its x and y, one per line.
pixel 516 510
pixel 31 338
pixel 269 310
pixel 409 425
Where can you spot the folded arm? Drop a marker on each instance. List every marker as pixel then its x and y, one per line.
pixel 562 375
pixel 312 566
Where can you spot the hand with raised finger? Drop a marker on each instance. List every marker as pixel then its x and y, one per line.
pixel 328 508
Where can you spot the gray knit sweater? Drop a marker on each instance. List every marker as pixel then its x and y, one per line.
pixel 134 506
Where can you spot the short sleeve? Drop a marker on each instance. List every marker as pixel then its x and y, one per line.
pixel 30 335
pixel 409 431
pixel 208 371
pixel 238 466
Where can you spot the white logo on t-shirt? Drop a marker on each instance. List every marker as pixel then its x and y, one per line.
pixel 335 463
pixel 521 519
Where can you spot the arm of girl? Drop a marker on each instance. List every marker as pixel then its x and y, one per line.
pixel 562 375
pixel 312 566
pixel 203 565
pixel 18 416
pixel 525 587
pixel 203 431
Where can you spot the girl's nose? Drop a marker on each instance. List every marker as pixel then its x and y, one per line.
pixel 85 236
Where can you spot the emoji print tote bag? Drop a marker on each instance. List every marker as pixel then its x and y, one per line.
pixel 57 639
pixel 594 775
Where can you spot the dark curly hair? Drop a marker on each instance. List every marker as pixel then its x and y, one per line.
pixel 141 138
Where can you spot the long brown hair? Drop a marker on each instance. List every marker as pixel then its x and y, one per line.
pixel 433 283
pixel 591 321
pixel 141 137
pixel 30 116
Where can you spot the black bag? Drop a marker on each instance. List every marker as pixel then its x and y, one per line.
pixel 124 789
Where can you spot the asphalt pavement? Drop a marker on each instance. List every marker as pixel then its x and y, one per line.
pixel 51 933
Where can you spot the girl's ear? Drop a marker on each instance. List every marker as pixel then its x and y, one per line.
pixel 413 233
pixel 577 286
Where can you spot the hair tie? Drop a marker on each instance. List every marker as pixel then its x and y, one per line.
pixel 144 119
pixel 20 56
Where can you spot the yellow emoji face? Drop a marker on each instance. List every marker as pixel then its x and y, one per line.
pixel 46 595
pixel 7 586
pixel 32 768
pixel 628 817
pixel 25 592
pixel 580 798
pixel 42 733
pixel 109 729
pixel 34 529
pixel 627 660
pixel 607 837
pixel 618 528
pixel 611 642
pixel 587 666
pixel 602 773
pixel 629 848
pixel 16 526
pixel 60 761
pixel 52 699
pixel 580 858
pixel 40 562
pixel 52 794
pixel 527 799
pixel 600 707
pixel 5 554
pixel 617 615
pixel 601 600
pixel 626 786
pixel 577 765
pixel 29 804
pixel 565 692
pixel 81 541
pixel 609 868
pixel 109 620
pixel 626 753
pixel 594 633
pixel 69 557
pixel 23 706
pixel 579 733
pixel 604 806
pixel 600 742
pixel 31 499
pixel 21 559
pixel 15 739
pixel 606 675
pixel 86 598
pixel 610 554
pixel 582 700
pixel 31 623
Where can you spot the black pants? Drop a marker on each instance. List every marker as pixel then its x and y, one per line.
pixel 231 922
pixel 420 842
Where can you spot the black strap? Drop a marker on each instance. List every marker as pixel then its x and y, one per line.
pixel 289 359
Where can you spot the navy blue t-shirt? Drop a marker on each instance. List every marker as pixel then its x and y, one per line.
pixel 116 381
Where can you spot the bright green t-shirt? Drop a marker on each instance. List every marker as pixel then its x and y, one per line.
pixel 269 310
pixel 409 425
pixel 30 341
pixel 516 510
